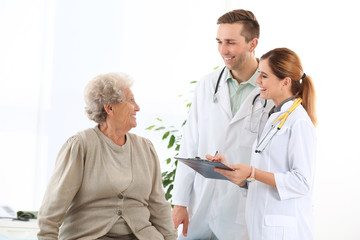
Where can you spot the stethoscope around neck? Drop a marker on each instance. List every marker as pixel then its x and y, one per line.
pixel 253 127
pixel 217 87
pixel 276 126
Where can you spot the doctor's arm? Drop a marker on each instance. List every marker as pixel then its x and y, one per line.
pixel 185 176
pixel 298 180
pixel 180 216
pixel 295 182
pixel 242 172
pixel 183 186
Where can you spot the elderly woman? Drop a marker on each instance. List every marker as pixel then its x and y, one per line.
pixel 107 182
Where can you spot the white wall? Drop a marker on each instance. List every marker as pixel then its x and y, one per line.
pixel 50 49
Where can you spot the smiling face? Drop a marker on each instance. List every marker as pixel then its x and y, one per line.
pixel 232 45
pixel 124 113
pixel 272 87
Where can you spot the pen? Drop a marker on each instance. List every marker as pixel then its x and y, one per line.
pixel 215 155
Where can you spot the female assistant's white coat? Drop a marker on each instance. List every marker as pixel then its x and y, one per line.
pixel 216 205
pixel 284 212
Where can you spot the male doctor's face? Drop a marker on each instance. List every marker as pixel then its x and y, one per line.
pixel 232 46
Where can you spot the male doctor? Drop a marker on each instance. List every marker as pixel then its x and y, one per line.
pixel 225 119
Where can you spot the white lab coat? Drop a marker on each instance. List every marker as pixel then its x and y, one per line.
pixel 284 212
pixel 216 206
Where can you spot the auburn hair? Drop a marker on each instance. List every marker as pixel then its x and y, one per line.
pixel 286 63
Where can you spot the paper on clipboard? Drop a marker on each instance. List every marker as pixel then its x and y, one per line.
pixel 205 167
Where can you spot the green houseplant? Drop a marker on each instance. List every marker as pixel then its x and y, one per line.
pixel 172 136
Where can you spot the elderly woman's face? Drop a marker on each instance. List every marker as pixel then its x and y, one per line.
pixel 125 112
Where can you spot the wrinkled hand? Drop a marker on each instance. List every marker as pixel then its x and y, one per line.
pixel 180 216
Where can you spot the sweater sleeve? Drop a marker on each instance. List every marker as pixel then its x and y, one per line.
pixel 160 209
pixel 61 189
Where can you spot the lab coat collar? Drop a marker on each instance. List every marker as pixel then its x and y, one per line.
pixel 287 105
pixel 284 107
pixel 276 109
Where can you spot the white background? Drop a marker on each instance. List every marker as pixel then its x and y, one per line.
pixel 49 50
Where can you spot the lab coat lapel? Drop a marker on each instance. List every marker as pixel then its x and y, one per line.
pixel 223 96
pixel 247 105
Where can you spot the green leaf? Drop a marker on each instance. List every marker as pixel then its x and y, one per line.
pixel 168 195
pixel 159 119
pixel 166 182
pixel 192 82
pixel 165 135
pixel 163 174
pixel 170 174
pixel 171 142
pixel 216 67
pixel 177 147
pixel 159 128
pixel 151 127
pixel 168 160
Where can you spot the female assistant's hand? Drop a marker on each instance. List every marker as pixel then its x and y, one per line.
pixel 242 171
pixel 217 158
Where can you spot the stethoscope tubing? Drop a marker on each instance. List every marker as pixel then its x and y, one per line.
pixel 277 125
pixel 218 81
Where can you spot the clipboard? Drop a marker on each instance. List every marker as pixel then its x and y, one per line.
pixel 205 167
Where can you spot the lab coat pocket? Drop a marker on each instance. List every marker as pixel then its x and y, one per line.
pixel 280 227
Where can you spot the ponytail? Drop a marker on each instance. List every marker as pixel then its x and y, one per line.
pixel 308 95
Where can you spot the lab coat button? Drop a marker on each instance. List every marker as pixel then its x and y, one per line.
pixel 119 212
pixel 120 196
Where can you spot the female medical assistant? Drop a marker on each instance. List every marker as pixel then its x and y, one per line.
pixel 284 212
pixel 281 173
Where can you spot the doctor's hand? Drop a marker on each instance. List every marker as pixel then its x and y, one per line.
pixel 217 158
pixel 242 172
pixel 180 215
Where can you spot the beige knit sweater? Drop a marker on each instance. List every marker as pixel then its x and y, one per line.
pixel 96 183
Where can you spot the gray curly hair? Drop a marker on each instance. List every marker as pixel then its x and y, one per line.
pixel 102 89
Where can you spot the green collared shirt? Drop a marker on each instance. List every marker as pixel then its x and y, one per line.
pixel 239 92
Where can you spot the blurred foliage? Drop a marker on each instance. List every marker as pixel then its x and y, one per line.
pixel 172 136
